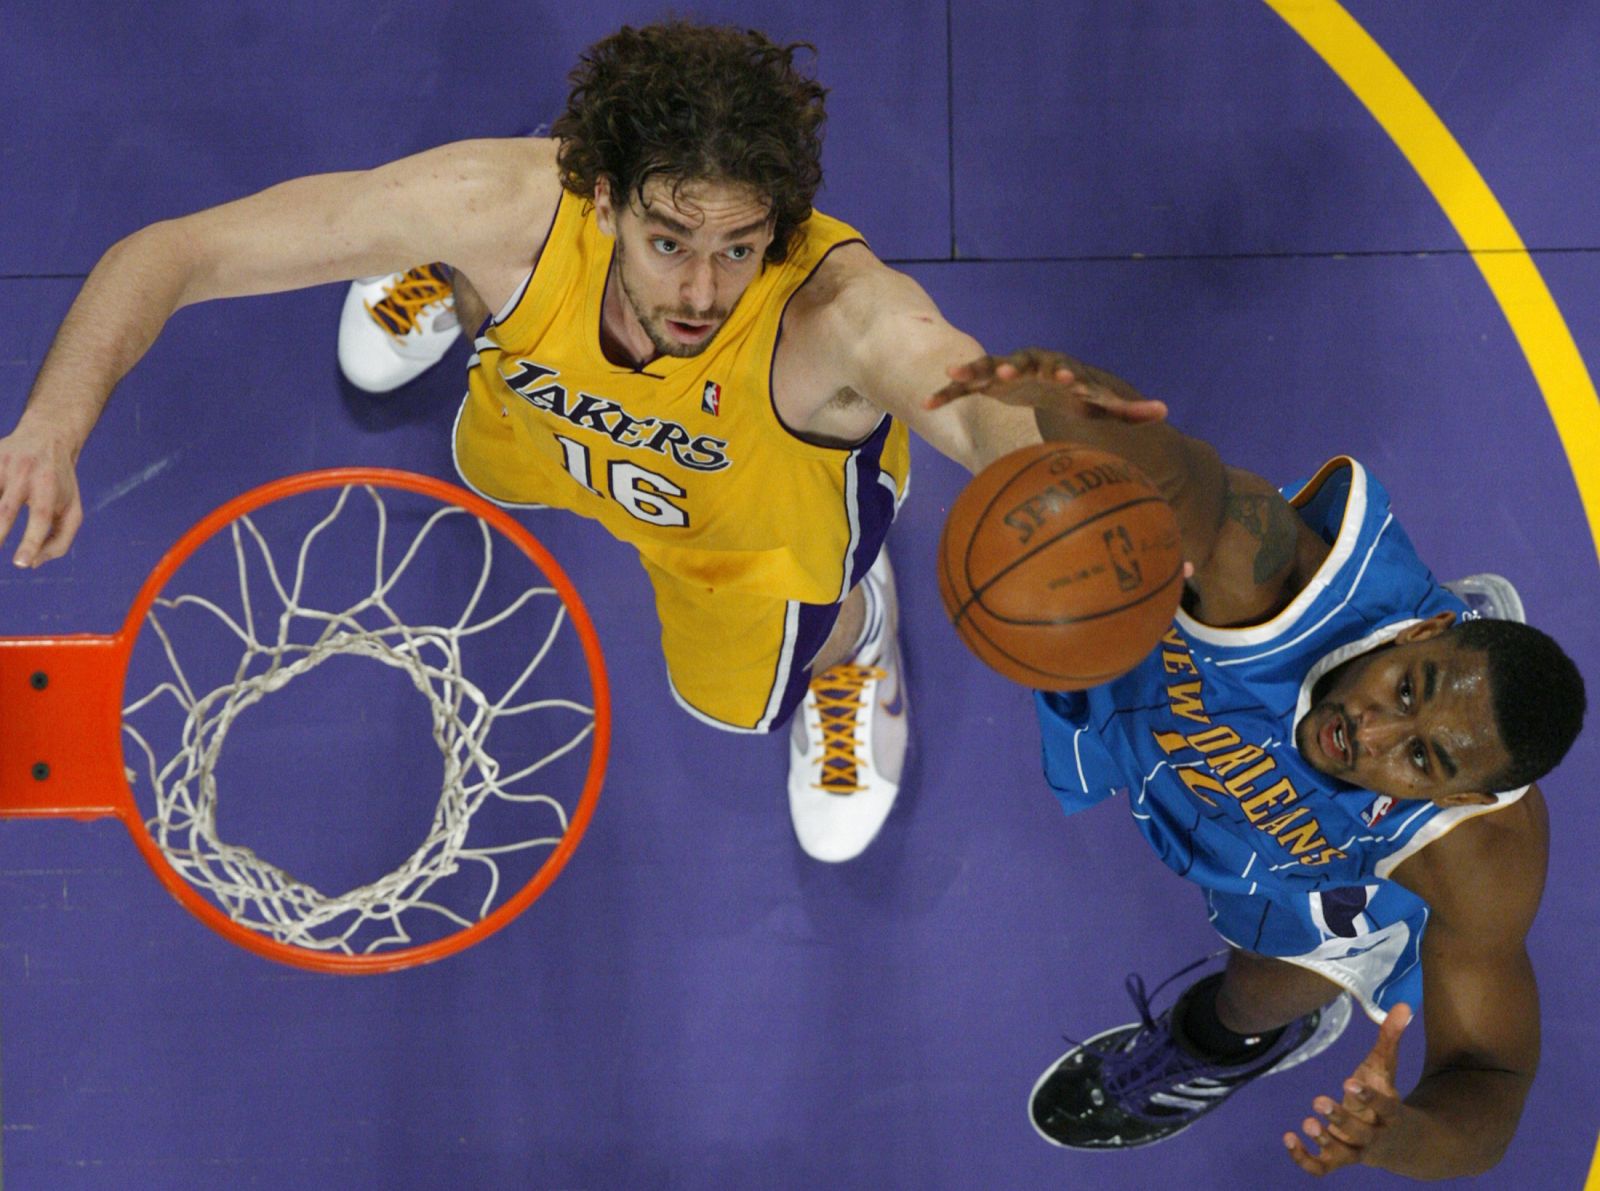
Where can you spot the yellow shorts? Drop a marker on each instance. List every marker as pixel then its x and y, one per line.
pixel 737 661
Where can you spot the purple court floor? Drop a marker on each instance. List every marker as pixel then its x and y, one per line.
pixel 1184 192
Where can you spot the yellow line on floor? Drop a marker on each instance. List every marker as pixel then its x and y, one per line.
pixel 1470 205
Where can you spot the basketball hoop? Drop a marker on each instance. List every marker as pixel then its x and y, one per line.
pixel 398 570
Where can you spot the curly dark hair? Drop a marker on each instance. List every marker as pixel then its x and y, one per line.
pixel 693 102
pixel 1537 693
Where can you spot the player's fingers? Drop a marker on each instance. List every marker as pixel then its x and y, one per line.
pixel 1394 1025
pixel 46 502
pixel 66 529
pixel 1358 1103
pixel 1333 1152
pixel 970 377
pixel 956 390
pixel 9 508
pixel 1346 1126
pixel 41 521
pixel 1302 1156
pixel 1355 1139
pixel 973 371
pixel 1042 361
pixel 13 492
pixel 1009 364
pixel 1395 1022
pixel 1029 360
pixel 1144 410
pixel 1377 1070
pixel 1379 1094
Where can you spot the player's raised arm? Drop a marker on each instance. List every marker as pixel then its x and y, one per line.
pixel 868 330
pixel 1250 551
pixel 459 203
pixel 1481 1002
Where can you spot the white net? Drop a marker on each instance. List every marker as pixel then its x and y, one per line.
pixel 352 582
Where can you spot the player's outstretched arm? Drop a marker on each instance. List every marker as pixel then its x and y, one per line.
pixel 1251 553
pixel 862 328
pixel 328 227
pixel 1480 998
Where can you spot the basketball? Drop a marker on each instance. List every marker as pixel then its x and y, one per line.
pixel 1061 566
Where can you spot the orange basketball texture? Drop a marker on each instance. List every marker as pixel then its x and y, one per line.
pixel 1061 566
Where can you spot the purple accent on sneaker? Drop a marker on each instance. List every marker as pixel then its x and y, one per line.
pixel 1139 1083
pixel 1155 1062
pixel 899 702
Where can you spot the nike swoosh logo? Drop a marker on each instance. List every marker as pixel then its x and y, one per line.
pixel 899 703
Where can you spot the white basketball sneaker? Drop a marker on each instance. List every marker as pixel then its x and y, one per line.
pixel 1490 596
pixel 848 744
pixel 394 328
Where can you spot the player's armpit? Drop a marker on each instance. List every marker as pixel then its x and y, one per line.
pixel 471 309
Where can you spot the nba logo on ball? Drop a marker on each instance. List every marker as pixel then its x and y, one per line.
pixel 1119 545
pixel 1061 566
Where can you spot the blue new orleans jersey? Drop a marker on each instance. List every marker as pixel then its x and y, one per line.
pixel 1200 738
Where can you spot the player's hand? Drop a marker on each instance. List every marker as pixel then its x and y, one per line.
pixel 1370 1103
pixel 36 471
pixel 1037 377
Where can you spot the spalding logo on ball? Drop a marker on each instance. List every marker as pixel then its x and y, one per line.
pixel 1061 566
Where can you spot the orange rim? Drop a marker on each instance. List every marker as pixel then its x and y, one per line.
pixel 404 957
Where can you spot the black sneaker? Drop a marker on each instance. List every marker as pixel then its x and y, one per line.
pixel 1141 1083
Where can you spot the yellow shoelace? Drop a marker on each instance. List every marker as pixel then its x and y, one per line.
pixel 838 691
pixel 397 311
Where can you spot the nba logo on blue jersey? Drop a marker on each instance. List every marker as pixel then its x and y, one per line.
pixel 1374 814
pixel 711 398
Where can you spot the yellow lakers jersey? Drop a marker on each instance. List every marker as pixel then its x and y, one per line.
pixel 685 458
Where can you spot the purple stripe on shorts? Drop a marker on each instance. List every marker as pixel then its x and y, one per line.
pixel 873 514
pixel 874 511
pixel 816 622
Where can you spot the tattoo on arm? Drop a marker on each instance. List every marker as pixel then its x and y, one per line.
pixel 1271 523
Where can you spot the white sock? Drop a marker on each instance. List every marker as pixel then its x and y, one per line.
pixel 868 644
